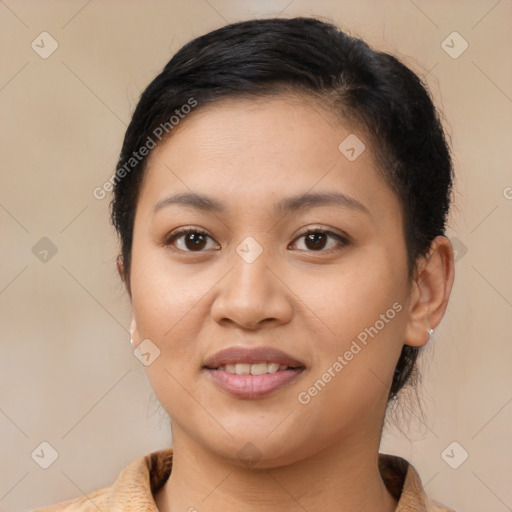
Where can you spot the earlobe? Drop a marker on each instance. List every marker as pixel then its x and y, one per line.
pixel 430 292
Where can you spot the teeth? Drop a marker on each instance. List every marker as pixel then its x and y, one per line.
pixel 258 369
pixel 252 369
pixel 273 367
pixel 242 369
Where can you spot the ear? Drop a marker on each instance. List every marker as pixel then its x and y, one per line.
pixel 120 266
pixel 122 274
pixel 430 291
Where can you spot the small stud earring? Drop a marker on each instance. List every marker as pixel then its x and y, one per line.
pixel 131 341
pixel 430 334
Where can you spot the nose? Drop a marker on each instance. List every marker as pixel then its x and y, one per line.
pixel 252 296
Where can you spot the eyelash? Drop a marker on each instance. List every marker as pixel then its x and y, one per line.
pixel 342 240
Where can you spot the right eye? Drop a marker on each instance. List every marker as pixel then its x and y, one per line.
pixel 189 239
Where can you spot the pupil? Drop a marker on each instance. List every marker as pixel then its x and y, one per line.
pixel 197 241
pixel 317 239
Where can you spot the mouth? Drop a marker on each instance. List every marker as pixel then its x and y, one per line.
pixel 252 373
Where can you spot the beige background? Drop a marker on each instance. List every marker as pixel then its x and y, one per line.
pixel 67 372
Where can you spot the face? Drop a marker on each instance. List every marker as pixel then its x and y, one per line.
pixel 288 245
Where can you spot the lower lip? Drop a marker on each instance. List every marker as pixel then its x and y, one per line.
pixel 253 386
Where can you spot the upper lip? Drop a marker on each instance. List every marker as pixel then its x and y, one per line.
pixel 233 355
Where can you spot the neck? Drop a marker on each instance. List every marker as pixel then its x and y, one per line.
pixel 344 477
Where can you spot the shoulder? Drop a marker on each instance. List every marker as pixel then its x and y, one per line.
pixel 404 483
pixel 133 490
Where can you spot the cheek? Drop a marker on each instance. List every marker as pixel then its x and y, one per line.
pixel 348 385
pixel 169 307
pixel 352 296
pixel 163 295
pixel 361 308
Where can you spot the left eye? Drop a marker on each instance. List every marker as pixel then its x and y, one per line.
pixel 316 240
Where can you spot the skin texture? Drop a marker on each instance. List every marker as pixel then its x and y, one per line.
pixel 250 154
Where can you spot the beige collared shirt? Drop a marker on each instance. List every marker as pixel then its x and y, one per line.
pixel 136 485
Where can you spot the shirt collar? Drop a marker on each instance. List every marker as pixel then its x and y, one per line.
pixel 136 485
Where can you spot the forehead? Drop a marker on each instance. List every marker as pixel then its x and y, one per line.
pixel 261 148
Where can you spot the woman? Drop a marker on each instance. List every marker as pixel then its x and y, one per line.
pixel 281 199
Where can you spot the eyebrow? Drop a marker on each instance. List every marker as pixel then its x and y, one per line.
pixel 286 205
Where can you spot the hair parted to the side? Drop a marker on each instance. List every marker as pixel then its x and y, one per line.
pixel 372 89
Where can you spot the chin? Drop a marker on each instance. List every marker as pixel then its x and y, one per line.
pixel 259 451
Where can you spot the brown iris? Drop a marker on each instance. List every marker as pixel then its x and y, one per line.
pixel 315 241
pixel 195 241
